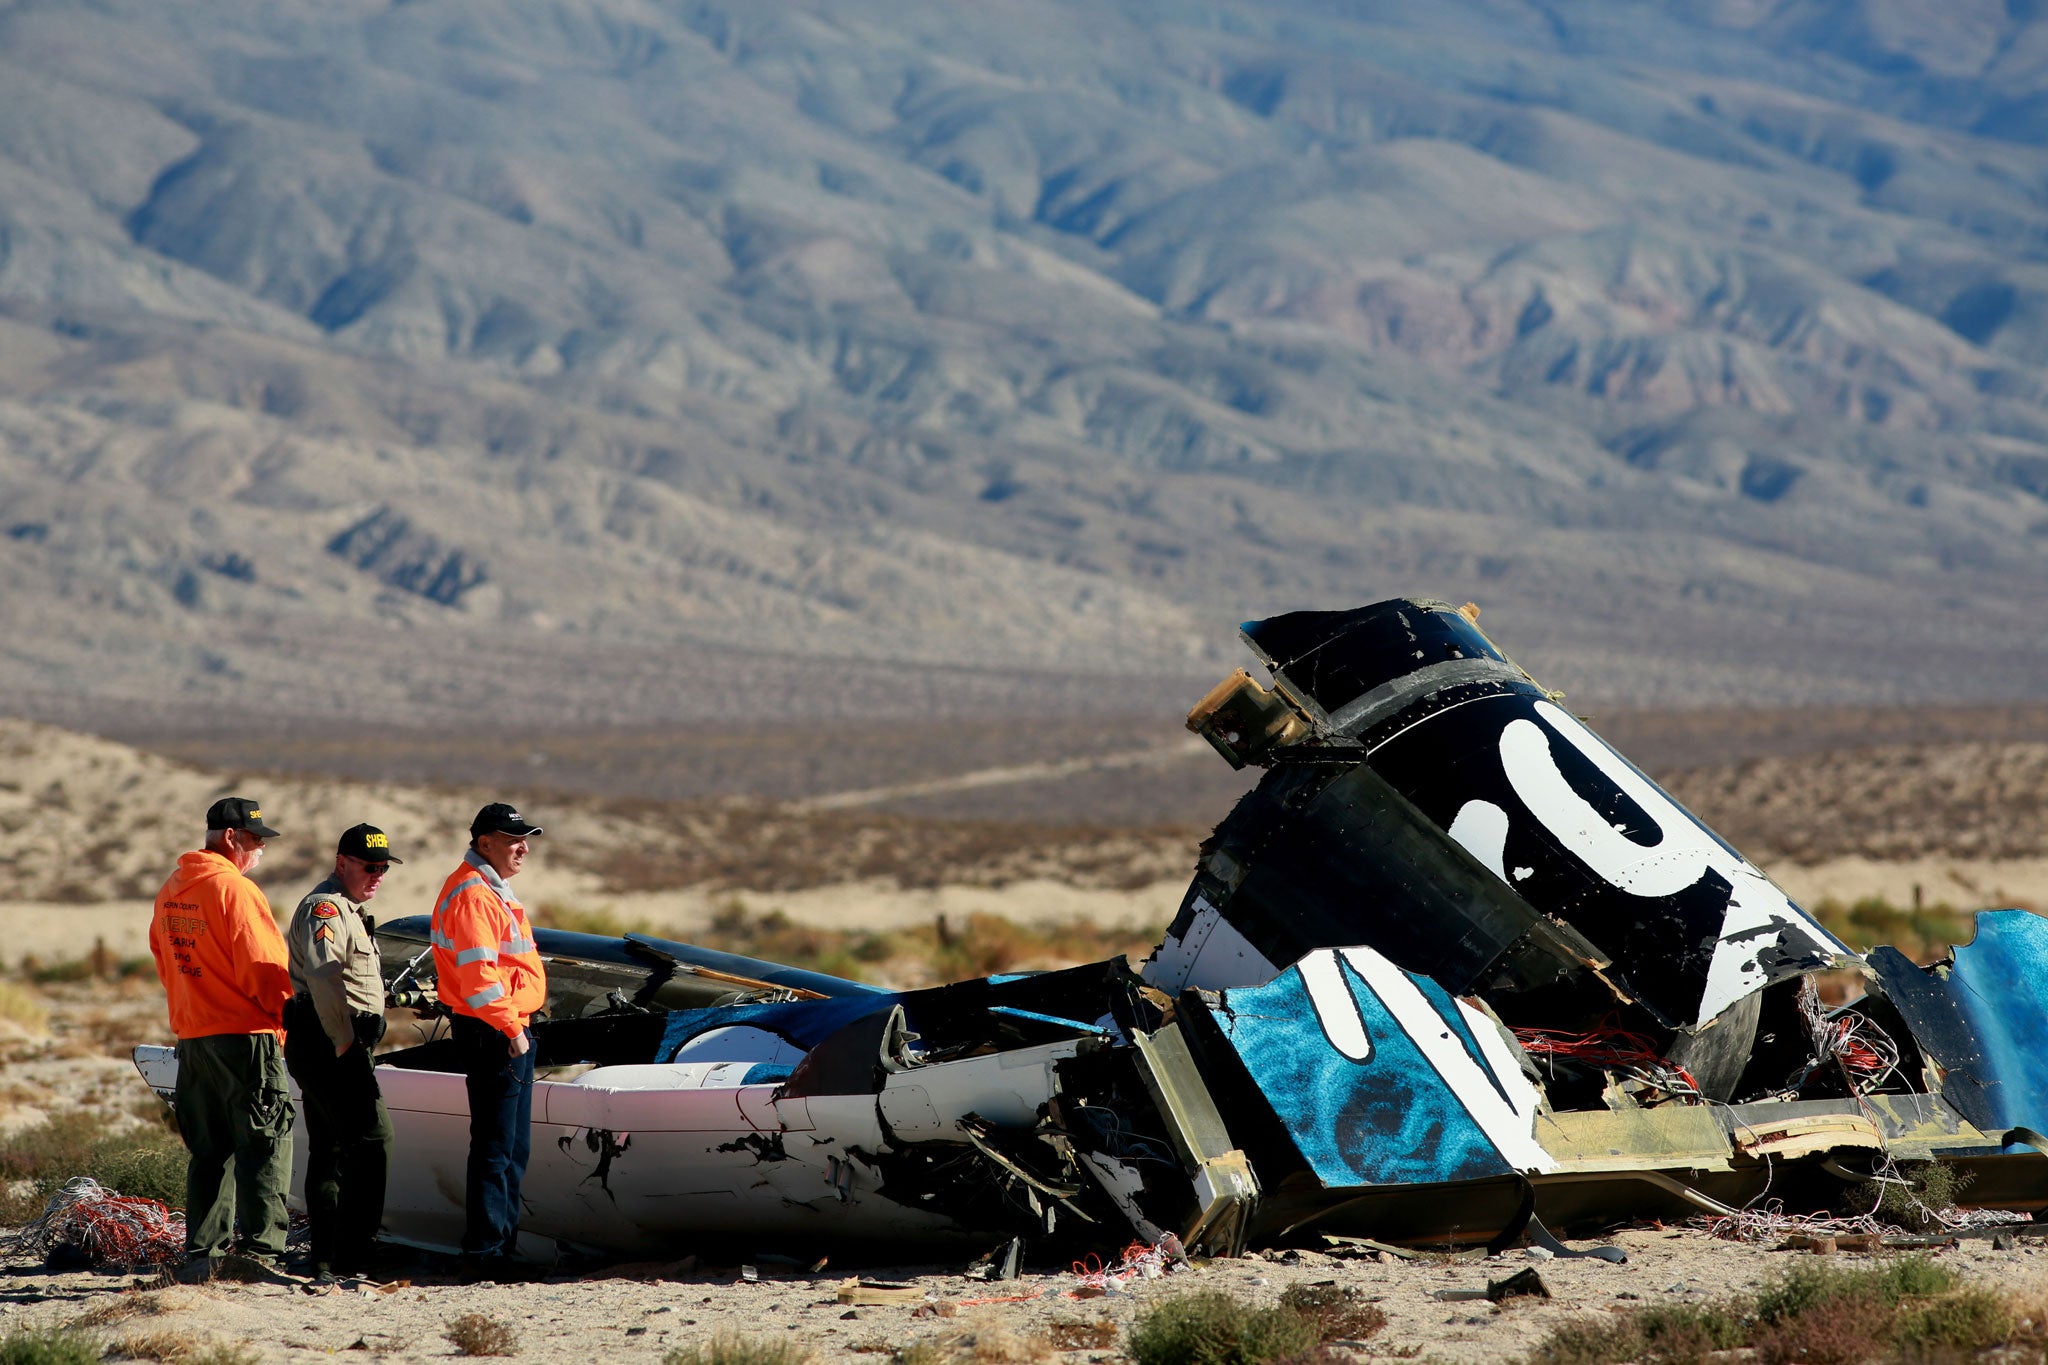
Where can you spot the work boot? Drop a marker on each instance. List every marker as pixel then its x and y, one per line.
pixel 197 1270
pixel 245 1268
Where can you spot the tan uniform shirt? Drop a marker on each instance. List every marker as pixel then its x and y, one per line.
pixel 334 960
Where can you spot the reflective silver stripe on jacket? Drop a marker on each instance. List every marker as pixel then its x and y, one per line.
pixel 469 955
pixel 517 945
pixel 455 891
pixel 484 996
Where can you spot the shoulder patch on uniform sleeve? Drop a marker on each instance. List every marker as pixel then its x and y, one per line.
pixel 323 933
pixel 325 910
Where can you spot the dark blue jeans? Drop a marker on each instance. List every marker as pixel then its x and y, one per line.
pixel 500 1135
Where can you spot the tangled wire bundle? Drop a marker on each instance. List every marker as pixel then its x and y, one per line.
pixel 1610 1045
pixel 108 1228
pixel 1139 1260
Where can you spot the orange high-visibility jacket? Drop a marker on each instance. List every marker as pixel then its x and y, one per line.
pixel 218 951
pixel 485 961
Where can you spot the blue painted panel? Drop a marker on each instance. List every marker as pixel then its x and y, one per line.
pixel 1985 1019
pixel 2001 981
pixel 805 1023
pixel 1390 1119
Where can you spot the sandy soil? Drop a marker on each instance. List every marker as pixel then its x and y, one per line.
pixel 633 1315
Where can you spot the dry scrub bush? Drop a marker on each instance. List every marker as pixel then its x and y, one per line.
pixel 119 1308
pixel 1970 1320
pixel 23 1008
pixel 474 1334
pixel 48 1346
pixel 729 1348
pixel 1805 1288
pixel 164 1344
pixel 110 1033
pixel 1337 1313
pixel 1211 1327
pixel 990 1340
pixel 1838 1334
pixel 148 1163
pixel 1932 1187
pixel 1810 1315
pixel 175 1347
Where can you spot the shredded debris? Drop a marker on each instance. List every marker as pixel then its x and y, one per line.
pixel 108 1229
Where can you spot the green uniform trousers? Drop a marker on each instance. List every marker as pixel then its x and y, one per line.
pixel 348 1137
pixel 235 1114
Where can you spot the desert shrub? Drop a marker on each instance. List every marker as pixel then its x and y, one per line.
pixel 1211 1327
pixel 916 1353
pixel 1838 1332
pixel 1931 1186
pixel 1810 1286
pixel 1662 1334
pixel 48 1346
pixel 991 1340
pixel 1336 1312
pixel 129 1304
pixel 1686 1333
pixel 1969 1320
pixel 1590 1343
pixel 1812 1314
pixel 145 1162
pixel 21 1006
pixel 474 1334
pixel 728 1348
pixel 163 1344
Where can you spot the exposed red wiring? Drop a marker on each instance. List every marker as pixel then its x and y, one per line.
pixel 1606 1045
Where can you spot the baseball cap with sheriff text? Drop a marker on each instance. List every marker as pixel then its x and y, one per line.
pixel 238 812
pixel 368 843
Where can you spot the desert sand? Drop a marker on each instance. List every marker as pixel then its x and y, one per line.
pixel 640 1314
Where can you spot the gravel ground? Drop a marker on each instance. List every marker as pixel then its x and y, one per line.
pixel 634 1313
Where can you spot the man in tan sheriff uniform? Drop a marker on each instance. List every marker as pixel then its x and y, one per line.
pixel 332 1027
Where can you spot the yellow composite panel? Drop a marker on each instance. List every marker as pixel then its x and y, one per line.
pixel 1806 1135
pixel 1945 1128
pixel 1672 1137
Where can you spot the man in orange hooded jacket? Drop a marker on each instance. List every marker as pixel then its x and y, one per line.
pixel 223 966
pixel 487 971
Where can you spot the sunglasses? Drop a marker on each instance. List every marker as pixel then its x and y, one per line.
pixel 374 869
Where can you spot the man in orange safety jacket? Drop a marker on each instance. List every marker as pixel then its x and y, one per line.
pixel 223 966
pixel 488 972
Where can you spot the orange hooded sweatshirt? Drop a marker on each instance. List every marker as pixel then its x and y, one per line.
pixel 218 951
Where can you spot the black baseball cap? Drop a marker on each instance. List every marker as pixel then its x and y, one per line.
pixel 499 818
pixel 238 812
pixel 368 843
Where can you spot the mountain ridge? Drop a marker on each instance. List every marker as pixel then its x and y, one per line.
pixel 1703 345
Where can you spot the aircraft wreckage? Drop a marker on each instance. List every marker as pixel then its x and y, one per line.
pixel 1453 964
